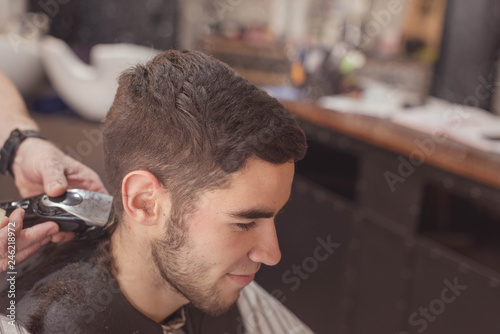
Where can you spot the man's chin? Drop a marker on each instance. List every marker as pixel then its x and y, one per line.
pixel 217 308
pixel 215 312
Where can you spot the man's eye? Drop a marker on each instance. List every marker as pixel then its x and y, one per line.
pixel 246 227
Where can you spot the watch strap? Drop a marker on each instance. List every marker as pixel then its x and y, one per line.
pixel 9 149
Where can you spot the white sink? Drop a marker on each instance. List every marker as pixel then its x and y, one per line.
pixel 89 89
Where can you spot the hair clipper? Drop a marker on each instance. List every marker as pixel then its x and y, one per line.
pixel 84 212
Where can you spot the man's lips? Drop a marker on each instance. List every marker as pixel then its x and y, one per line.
pixel 242 280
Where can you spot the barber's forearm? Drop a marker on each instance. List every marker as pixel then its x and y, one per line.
pixel 13 112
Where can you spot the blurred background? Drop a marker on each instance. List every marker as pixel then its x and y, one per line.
pixel 394 225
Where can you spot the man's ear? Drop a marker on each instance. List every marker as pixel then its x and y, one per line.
pixel 142 194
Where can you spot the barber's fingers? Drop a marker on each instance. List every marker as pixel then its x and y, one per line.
pixel 4 222
pixel 82 177
pixel 33 157
pixel 39 232
pixel 4 236
pixel 53 176
pixel 40 166
pixel 27 241
pixel 29 237
pixel 16 222
pixel 35 234
pixel 10 228
pixel 62 237
pixel 64 172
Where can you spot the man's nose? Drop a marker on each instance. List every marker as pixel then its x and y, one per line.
pixel 266 249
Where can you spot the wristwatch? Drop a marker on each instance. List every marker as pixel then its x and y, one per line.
pixel 9 149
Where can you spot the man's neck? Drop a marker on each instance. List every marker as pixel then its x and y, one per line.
pixel 140 281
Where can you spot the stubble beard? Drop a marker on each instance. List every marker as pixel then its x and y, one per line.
pixel 185 272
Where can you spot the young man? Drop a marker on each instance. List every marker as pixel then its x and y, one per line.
pixel 199 162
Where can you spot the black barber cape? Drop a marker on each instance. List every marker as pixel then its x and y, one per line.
pixel 69 288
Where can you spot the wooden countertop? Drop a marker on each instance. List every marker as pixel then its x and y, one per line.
pixel 448 155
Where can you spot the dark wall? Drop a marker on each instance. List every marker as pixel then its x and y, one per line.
pixel 83 24
pixel 466 71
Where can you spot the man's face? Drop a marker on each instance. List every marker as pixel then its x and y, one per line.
pixel 227 237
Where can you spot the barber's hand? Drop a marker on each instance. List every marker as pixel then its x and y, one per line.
pixel 40 167
pixel 27 241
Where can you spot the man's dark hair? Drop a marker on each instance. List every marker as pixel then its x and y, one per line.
pixel 190 120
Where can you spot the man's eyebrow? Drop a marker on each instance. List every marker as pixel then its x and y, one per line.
pixel 255 213
pixel 252 214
